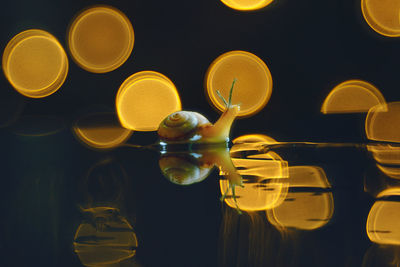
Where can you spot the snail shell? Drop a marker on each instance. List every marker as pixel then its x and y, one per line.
pixel 181 125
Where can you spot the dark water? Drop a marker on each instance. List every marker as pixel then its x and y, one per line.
pixel 66 205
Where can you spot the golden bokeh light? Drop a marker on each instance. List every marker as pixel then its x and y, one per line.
pixel 264 183
pixel 304 209
pixel 254 138
pixel 35 63
pixel 392 172
pixel 382 16
pixel 100 39
pixel 387 157
pixel 382 123
pixel 246 5
pixel 390 191
pixel 385 153
pixel 101 131
pixel 254 82
pixel 145 99
pixel 383 223
pixel 251 142
pixel 107 239
pixel 352 96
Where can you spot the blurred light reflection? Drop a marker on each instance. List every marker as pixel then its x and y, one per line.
pixel 100 39
pixel 264 182
pixel 101 131
pixel 145 99
pixel 383 222
pixel 308 205
pixel 104 237
pixel 352 96
pixel 254 81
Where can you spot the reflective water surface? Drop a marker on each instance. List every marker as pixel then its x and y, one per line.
pixel 257 203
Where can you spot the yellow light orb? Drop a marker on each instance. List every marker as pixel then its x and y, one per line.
pixel 382 122
pixel 265 183
pixel 382 16
pixel 307 210
pixel 383 223
pixel 246 5
pixel 101 131
pixel 100 39
pixel 145 99
pixel 352 96
pixel 254 81
pixel 35 63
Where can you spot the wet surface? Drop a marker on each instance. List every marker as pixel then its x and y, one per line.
pixel 68 205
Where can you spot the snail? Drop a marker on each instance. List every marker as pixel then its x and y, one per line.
pixel 192 127
pixel 188 167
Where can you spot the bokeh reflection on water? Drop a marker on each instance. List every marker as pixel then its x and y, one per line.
pixel 298 204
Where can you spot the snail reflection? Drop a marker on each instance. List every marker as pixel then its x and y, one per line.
pixel 248 184
pixel 104 236
pixel 188 167
pixel 264 177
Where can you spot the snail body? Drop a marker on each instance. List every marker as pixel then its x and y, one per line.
pixel 192 127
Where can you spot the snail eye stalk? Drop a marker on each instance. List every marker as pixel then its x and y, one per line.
pixel 227 104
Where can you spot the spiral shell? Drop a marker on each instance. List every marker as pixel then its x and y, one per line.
pixel 181 125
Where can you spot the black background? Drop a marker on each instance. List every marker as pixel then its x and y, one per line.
pixel 309 47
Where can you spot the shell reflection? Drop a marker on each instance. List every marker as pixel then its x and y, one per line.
pixel 185 168
pixel 101 131
pixel 352 96
pixel 254 81
pixel 382 124
pixel 382 16
pixel 144 99
pixel 105 237
pixel 308 204
pixel 100 39
pixel 35 63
